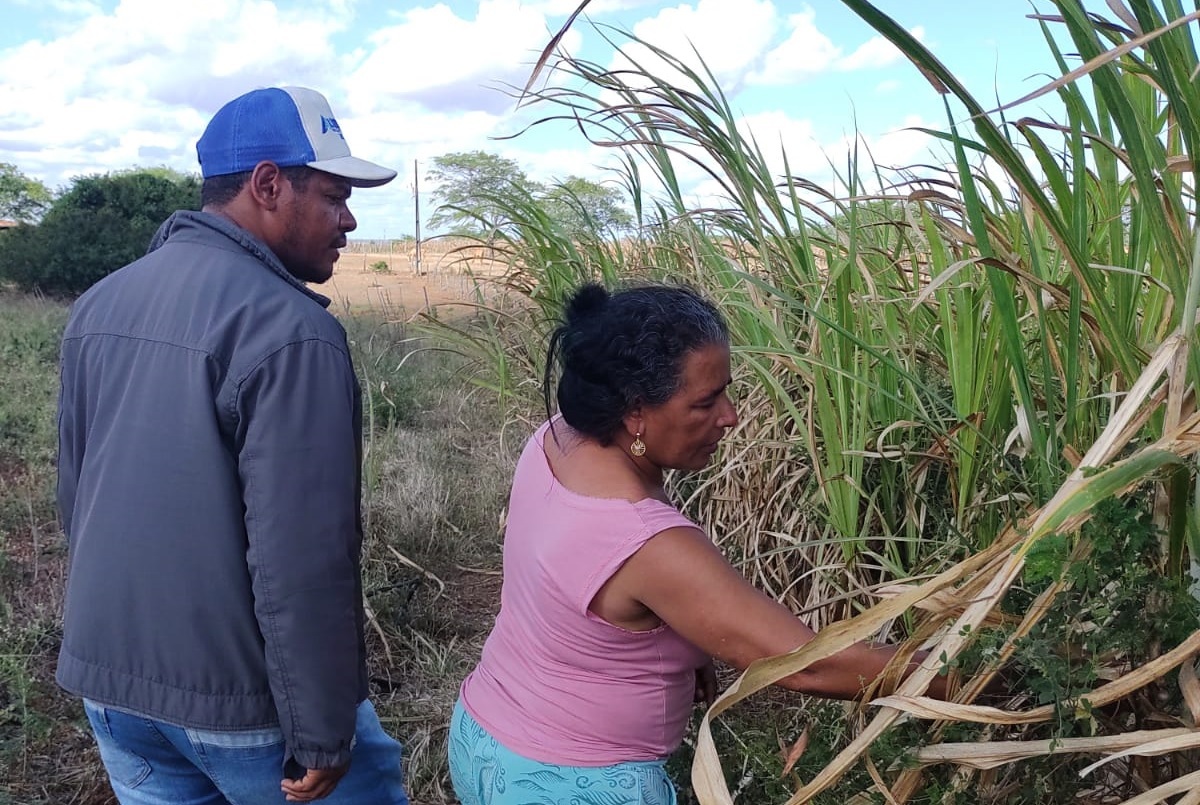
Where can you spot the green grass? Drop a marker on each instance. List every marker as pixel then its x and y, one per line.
pixel 30 329
pixel 760 734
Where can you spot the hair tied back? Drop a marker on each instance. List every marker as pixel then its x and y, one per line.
pixel 588 300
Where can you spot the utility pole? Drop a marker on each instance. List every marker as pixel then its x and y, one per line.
pixel 417 216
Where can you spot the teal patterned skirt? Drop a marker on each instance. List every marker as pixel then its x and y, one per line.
pixel 485 773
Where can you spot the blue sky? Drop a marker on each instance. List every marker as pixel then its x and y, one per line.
pixel 98 86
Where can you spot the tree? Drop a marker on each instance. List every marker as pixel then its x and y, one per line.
pixel 583 206
pixel 467 182
pixel 21 198
pixel 98 225
pixel 473 188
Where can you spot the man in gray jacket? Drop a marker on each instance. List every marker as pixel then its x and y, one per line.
pixel 209 485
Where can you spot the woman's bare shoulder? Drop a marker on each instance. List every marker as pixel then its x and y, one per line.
pixel 587 468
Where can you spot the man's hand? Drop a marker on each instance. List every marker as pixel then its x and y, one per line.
pixel 315 784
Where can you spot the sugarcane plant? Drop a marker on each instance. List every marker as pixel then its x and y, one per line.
pixel 967 396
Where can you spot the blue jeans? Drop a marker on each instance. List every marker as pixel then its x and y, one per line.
pixel 153 763
pixel 484 772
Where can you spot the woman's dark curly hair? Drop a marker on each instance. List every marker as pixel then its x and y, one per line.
pixel 621 349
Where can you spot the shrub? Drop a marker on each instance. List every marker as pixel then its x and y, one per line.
pixel 99 224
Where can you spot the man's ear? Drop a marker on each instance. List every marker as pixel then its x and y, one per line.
pixel 266 184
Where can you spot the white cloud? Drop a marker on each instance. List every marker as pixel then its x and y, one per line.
pixel 897 152
pixel 700 180
pixel 596 8
pixel 144 78
pixel 807 51
pixel 814 161
pixel 777 133
pixel 137 84
pixel 876 52
pixel 116 85
pixel 593 163
pixel 729 35
pixel 900 147
pixel 445 62
pixel 62 7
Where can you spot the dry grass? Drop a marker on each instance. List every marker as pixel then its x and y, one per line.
pixel 437 471
pixel 432 540
pixel 46 753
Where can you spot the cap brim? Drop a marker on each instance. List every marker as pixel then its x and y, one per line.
pixel 360 172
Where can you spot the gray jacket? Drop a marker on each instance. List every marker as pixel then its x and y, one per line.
pixel 210 430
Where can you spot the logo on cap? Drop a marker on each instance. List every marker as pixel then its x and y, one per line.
pixel 280 125
pixel 329 124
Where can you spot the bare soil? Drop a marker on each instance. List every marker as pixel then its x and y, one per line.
pixel 391 283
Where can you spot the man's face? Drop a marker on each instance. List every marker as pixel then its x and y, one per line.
pixel 315 222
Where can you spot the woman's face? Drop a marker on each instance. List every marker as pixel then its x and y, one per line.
pixel 683 432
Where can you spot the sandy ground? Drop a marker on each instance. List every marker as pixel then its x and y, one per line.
pixel 360 284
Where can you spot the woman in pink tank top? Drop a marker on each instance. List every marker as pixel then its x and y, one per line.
pixel 613 602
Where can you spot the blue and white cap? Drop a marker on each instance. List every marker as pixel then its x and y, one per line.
pixel 289 126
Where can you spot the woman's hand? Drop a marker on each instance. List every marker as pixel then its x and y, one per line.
pixel 706 684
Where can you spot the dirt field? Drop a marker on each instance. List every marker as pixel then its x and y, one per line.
pixel 360 283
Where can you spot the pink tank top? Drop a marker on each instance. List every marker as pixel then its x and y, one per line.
pixel 557 683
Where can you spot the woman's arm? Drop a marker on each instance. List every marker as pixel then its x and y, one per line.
pixel 682 577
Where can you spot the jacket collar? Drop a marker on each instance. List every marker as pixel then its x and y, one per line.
pixel 185 220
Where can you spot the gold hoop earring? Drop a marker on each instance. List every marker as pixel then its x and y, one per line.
pixel 638 448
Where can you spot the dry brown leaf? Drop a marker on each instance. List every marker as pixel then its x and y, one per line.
pixel 938 710
pixel 1158 746
pixel 794 754
pixel 944 601
pixel 924 707
pixel 1186 783
pixel 880 785
pixel 1191 798
pixel 988 755
pixel 1189 686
